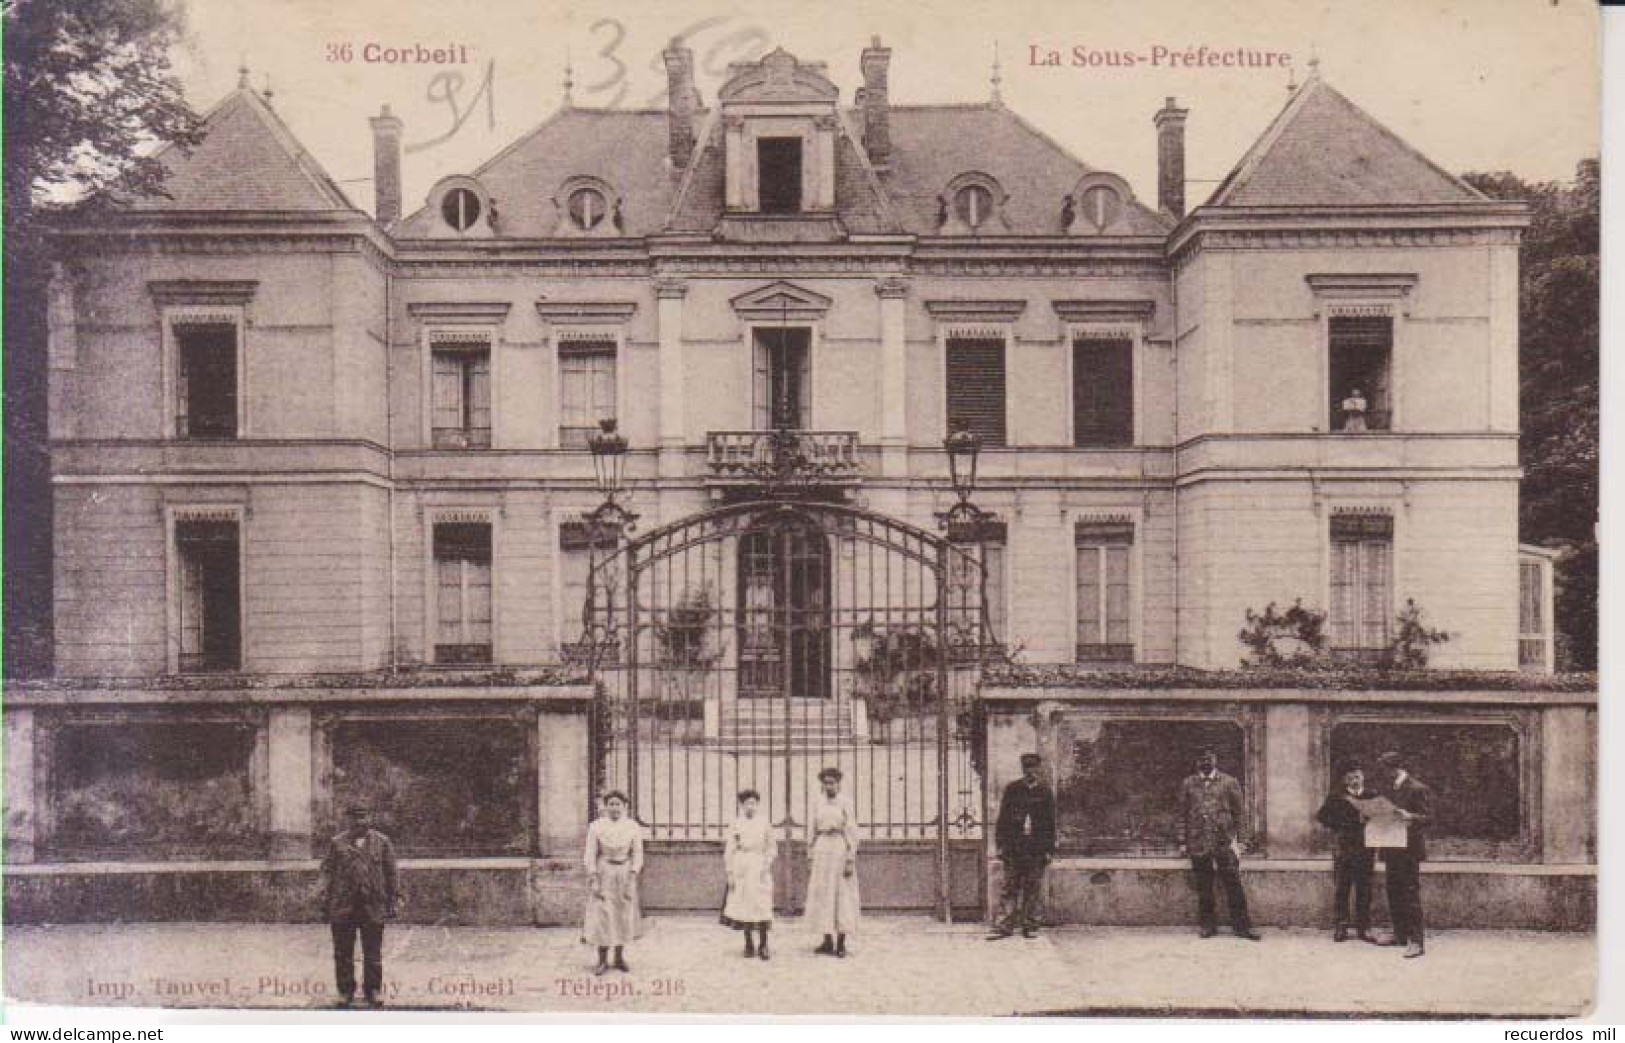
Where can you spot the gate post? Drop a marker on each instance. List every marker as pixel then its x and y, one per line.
pixel 944 874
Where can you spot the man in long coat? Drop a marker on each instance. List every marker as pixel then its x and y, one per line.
pixel 360 890
pixel 1212 810
pixel 1025 835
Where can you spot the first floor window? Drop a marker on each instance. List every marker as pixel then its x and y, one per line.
pixel 210 601
pixel 586 387
pixel 1102 391
pixel 1360 362
pixel 1534 609
pixel 462 563
pixel 1362 584
pixel 976 384
pixel 206 381
pixel 1105 591
pixel 462 397
pixel 976 581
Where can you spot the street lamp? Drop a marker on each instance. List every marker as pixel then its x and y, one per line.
pixel 609 448
pixel 964 447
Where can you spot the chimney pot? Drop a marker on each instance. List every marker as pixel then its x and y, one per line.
pixel 1170 124
pixel 386 166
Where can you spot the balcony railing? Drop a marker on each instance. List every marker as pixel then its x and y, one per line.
pixel 1375 420
pixel 784 456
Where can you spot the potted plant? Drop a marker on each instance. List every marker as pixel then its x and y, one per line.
pixel 689 648
pixel 894 672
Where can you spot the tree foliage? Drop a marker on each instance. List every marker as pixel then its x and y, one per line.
pixel 1559 285
pixel 90 96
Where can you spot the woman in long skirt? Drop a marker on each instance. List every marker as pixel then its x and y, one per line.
pixel 832 888
pixel 614 858
pixel 748 858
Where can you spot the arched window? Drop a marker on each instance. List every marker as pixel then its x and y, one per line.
pixel 588 208
pixel 461 208
pixel 973 205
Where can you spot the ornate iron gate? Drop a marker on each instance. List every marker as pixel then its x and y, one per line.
pixel 752 645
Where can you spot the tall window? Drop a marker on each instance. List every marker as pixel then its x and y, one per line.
pixel 1105 591
pixel 462 563
pixel 976 385
pixel 1103 391
pixel 1534 606
pixel 462 396
pixel 782 384
pixel 1362 584
pixel 586 386
pixel 778 175
pixel 210 596
pixel 980 551
pixel 1360 364
pixel 206 381
pixel 576 557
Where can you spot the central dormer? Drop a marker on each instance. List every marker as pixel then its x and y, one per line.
pixel 779 123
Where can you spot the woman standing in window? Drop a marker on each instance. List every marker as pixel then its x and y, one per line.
pixel 748 859
pixel 614 858
pixel 832 888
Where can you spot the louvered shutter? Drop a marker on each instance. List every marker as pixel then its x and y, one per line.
pixel 1103 391
pixel 976 389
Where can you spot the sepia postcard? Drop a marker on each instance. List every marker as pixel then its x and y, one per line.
pixel 705 507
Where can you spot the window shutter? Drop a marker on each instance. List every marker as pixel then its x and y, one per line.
pixel 976 389
pixel 762 387
pixel 479 384
pixel 448 391
pixel 1089 595
pixel 1103 391
pixel 1117 595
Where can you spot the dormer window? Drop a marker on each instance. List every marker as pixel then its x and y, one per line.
pixel 588 208
pixel 1102 206
pixel 460 208
pixel 970 204
pixel 778 166
pixel 1098 205
pixel 973 204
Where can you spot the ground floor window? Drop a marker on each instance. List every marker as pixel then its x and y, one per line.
pixel 462 563
pixel 1105 591
pixel 1362 584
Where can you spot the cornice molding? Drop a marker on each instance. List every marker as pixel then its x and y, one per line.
pixel 1342 285
pixel 965 310
pixel 224 292
pixel 1134 310
pixel 606 312
pixel 781 300
pixel 482 313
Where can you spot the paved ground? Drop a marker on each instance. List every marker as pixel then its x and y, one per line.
pixel 899 966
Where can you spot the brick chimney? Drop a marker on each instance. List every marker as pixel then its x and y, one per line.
pixel 684 102
pixel 875 103
pixel 386 166
pixel 1170 124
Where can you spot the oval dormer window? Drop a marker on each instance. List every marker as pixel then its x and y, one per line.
pixel 587 208
pixel 1102 206
pixel 973 205
pixel 461 208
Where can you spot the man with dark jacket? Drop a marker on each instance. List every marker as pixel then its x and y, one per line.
pixel 1025 835
pixel 1352 861
pixel 1212 810
pixel 1415 803
pixel 359 892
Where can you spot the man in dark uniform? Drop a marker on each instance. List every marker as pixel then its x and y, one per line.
pixel 1415 803
pixel 1025 835
pixel 1352 861
pixel 359 892
pixel 1212 810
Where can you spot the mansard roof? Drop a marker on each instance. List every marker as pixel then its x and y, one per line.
pixel 1323 150
pixel 626 149
pixel 933 144
pixel 248 160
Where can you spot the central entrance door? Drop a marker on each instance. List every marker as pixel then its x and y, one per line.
pixel 784 612
pixel 751 646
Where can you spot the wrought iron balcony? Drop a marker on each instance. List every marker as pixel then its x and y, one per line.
pixel 783 457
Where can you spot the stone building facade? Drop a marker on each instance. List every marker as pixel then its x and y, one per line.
pixel 321 476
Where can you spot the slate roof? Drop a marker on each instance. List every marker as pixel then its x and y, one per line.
pixel 248 160
pixel 932 144
pixel 1323 150
pixel 626 148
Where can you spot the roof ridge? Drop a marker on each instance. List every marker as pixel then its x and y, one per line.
pixel 302 157
pixel 1415 152
pixel 887 212
pixel 1265 141
pixel 702 141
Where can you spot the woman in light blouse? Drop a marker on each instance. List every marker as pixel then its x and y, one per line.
pixel 832 887
pixel 747 856
pixel 614 857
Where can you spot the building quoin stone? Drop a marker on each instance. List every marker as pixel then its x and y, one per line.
pixel 325 490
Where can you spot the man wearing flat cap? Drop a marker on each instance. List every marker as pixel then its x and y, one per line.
pixel 1414 802
pixel 359 892
pixel 1025 835
pixel 1212 810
